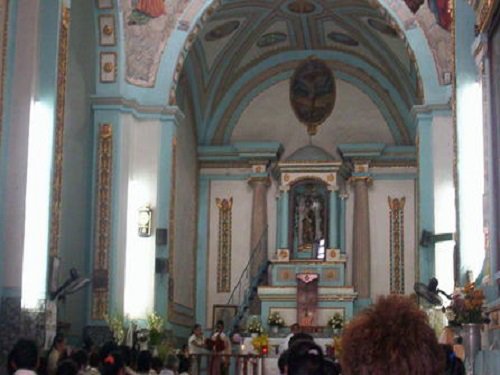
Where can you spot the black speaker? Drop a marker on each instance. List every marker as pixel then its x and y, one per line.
pixel 161 236
pixel 161 265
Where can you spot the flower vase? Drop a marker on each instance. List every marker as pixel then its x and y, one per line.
pixel 275 330
pixel 471 335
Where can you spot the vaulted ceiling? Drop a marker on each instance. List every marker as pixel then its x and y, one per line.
pixel 248 46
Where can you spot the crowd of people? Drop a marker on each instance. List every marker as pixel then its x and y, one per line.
pixel 392 337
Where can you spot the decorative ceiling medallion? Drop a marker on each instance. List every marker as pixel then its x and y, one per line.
pixel 382 27
pixel 342 39
pixel 222 31
pixel 270 39
pixel 301 7
pixel 312 93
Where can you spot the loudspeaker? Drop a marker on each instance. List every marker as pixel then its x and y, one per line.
pixel 161 236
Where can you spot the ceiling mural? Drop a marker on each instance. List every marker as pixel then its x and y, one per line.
pixel 242 38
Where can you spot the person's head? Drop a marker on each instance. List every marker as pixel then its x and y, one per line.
pixel 67 367
pixel 295 328
pixel 156 364
pixel 219 326
pixel 197 329
pixel 172 362
pixel 305 358
pixel 144 361
pixel 81 358
pixel 391 337
pixel 94 359
pixel 113 364
pixel 24 355
pixel 59 343
pixel 300 336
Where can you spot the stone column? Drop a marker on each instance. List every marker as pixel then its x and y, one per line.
pixel 361 237
pixel 259 217
pixel 343 198
pixel 333 233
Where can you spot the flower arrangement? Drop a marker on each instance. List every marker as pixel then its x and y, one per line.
pixel 275 319
pixel 261 344
pixel 254 325
pixel 155 326
pixel 116 324
pixel 466 307
pixel 336 321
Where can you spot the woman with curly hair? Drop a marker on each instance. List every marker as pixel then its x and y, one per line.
pixel 392 337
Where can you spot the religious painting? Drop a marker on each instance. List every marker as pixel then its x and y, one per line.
pixel 309 218
pixel 312 93
pixel 226 313
pixel 307 299
pixel 145 10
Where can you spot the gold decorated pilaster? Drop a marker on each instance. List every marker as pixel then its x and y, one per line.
pixel 100 289
pixel 225 207
pixel 397 259
pixel 62 70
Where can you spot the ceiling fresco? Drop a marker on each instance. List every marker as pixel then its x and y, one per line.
pixel 245 44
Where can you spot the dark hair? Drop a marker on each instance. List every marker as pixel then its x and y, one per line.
pixel 454 365
pixel 196 326
pixel 144 361
pixel 94 359
pixel 300 336
pixel 391 337
pixel 305 358
pixel 81 358
pixel 58 339
pixel 24 355
pixel 331 367
pixel 219 323
pixel 67 367
pixel 112 363
pixel 106 348
pixel 156 364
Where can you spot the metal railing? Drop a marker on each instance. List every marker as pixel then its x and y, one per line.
pixel 226 364
pixel 246 287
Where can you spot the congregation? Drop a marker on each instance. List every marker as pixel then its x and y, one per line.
pixel 391 337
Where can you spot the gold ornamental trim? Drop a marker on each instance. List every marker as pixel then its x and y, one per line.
pixel 62 70
pixel 225 207
pixel 100 285
pixel 484 12
pixel 397 244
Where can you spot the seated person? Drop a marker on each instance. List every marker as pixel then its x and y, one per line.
pixel 391 337
pixel 305 358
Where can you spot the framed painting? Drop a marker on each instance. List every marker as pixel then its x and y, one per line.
pixel 226 313
pixel 107 36
pixel 108 67
pixel 104 4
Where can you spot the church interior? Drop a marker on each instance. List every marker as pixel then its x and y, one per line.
pixel 237 159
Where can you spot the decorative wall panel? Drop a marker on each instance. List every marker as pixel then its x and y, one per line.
pixel 224 245
pixel 397 259
pixel 103 223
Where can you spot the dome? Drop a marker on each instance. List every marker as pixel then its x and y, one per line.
pixel 310 153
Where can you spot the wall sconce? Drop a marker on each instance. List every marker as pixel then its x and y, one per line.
pixel 144 221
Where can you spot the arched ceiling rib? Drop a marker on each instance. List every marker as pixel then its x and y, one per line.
pixel 242 35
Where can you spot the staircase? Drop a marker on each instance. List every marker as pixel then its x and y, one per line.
pixel 244 294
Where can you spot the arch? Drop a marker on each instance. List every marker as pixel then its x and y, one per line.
pixel 418 45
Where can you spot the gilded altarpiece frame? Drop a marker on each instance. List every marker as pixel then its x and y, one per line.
pixel 100 288
pixel 62 70
pixel 224 245
pixel 397 259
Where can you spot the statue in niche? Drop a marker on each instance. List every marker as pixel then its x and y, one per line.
pixel 309 200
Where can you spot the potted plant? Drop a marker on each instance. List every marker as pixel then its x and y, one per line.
pixel 336 323
pixel 254 326
pixel 275 321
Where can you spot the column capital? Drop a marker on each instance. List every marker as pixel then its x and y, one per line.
pixel 259 180
pixel 367 179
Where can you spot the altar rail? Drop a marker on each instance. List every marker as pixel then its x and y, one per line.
pixel 226 364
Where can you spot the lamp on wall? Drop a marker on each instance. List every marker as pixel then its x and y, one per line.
pixel 144 221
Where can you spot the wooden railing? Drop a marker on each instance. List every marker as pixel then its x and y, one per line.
pixel 226 364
